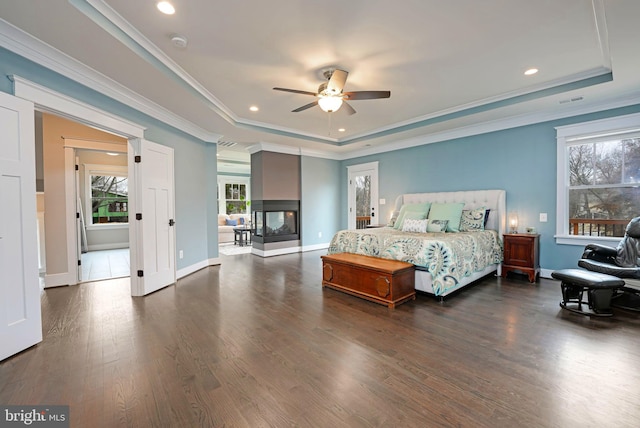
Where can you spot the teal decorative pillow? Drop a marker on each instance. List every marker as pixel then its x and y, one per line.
pixel 451 212
pixel 437 225
pixel 414 225
pixel 419 208
pixel 473 220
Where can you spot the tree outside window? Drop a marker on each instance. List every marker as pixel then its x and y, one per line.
pixel 109 199
pixel 604 180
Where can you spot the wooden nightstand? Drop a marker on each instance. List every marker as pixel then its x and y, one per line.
pixel 521 253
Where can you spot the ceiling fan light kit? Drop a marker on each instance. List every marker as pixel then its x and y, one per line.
pixel 330 95
pixel 330 103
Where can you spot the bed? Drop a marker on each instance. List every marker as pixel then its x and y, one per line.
pixel 445 262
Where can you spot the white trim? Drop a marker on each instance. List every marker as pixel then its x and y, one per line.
pixel 581 240
pixel 114 246
pixel 276 252
pixel 546 273
pixel 60 279
pixel 68 107
pixel 89 170
pixel 70 218
pixel 54 102
pixel 622 123
pixel 232 179
pixel 277 148
pixel 113 23
pixel 315 247
pixel 363 168
pixel 564 134
pixel 186 271
pixel 100 146
pixel 136 246
pixel 29 47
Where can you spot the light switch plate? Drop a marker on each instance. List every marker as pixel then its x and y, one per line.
pixel 543 217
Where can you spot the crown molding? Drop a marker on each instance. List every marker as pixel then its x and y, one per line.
pixel 116 25
pixel 33 49
pixel 632 98
pixel 54 102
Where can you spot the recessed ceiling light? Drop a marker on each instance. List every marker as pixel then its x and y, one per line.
pixel 341 130
pixel 166 8
pixel 254 108
pixel 531 72
pixel 112 154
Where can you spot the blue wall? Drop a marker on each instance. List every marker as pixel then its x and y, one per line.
pixel 521 161
pixel 320 205
pixel 195 160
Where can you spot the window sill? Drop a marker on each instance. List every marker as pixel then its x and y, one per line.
pixel 584 240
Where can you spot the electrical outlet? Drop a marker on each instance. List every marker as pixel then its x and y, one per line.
pixel 181 254
pixel 382 201
pixel 543 217
pixel 319 234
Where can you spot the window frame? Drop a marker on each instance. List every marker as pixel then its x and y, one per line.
pixel 108 170
pixel 223 180
pixel 568 135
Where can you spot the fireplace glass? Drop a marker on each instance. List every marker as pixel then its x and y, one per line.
pixel 276 223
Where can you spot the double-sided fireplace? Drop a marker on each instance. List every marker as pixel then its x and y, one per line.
pixel 276 221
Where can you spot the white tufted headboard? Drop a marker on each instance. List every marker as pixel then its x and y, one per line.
pixel 495 200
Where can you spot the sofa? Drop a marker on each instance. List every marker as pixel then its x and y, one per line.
pixel 226 223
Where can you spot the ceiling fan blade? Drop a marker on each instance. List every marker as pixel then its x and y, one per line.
pixel 304 107
pixel 366 95
pixel 347 107
pixel 337 81
pixel 296 91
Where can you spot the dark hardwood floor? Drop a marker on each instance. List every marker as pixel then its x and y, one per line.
pixel 257 342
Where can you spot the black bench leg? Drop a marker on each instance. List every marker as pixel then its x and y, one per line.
pixel 600 301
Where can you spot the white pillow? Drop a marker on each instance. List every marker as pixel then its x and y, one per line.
pixel 412 225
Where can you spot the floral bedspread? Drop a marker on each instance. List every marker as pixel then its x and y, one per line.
pixel 448 257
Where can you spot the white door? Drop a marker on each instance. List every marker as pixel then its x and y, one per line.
pixel 20 317
pixel 156 239
pixel 363 195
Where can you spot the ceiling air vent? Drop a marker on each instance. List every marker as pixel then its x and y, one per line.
pixel 226 144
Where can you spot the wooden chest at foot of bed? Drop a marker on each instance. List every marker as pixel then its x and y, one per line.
pixel 389 282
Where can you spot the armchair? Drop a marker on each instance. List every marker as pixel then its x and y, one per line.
pixel 622 262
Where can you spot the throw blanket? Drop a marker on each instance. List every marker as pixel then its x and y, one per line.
pixel 448 257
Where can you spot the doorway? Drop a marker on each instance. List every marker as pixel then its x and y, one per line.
pixel 103 207
pixel 151 176
pixel 363 195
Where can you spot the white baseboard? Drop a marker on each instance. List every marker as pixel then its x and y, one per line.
pixel 181 273
pixel 315 247
pixel 546 273
pixel 276 252
pixel 59 279
pixel 116 246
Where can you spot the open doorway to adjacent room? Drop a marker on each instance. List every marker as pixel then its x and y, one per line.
pixel 102 200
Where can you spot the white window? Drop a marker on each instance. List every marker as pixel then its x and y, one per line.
pixel 598 180
pixel 106 195
pixel 234 195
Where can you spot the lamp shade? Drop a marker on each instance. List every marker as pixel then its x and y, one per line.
pixel 330 104
pixel 513 222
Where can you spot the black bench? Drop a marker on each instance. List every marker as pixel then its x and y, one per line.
pixel 599 287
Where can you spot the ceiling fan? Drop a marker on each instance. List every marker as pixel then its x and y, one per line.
pixel 330 95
